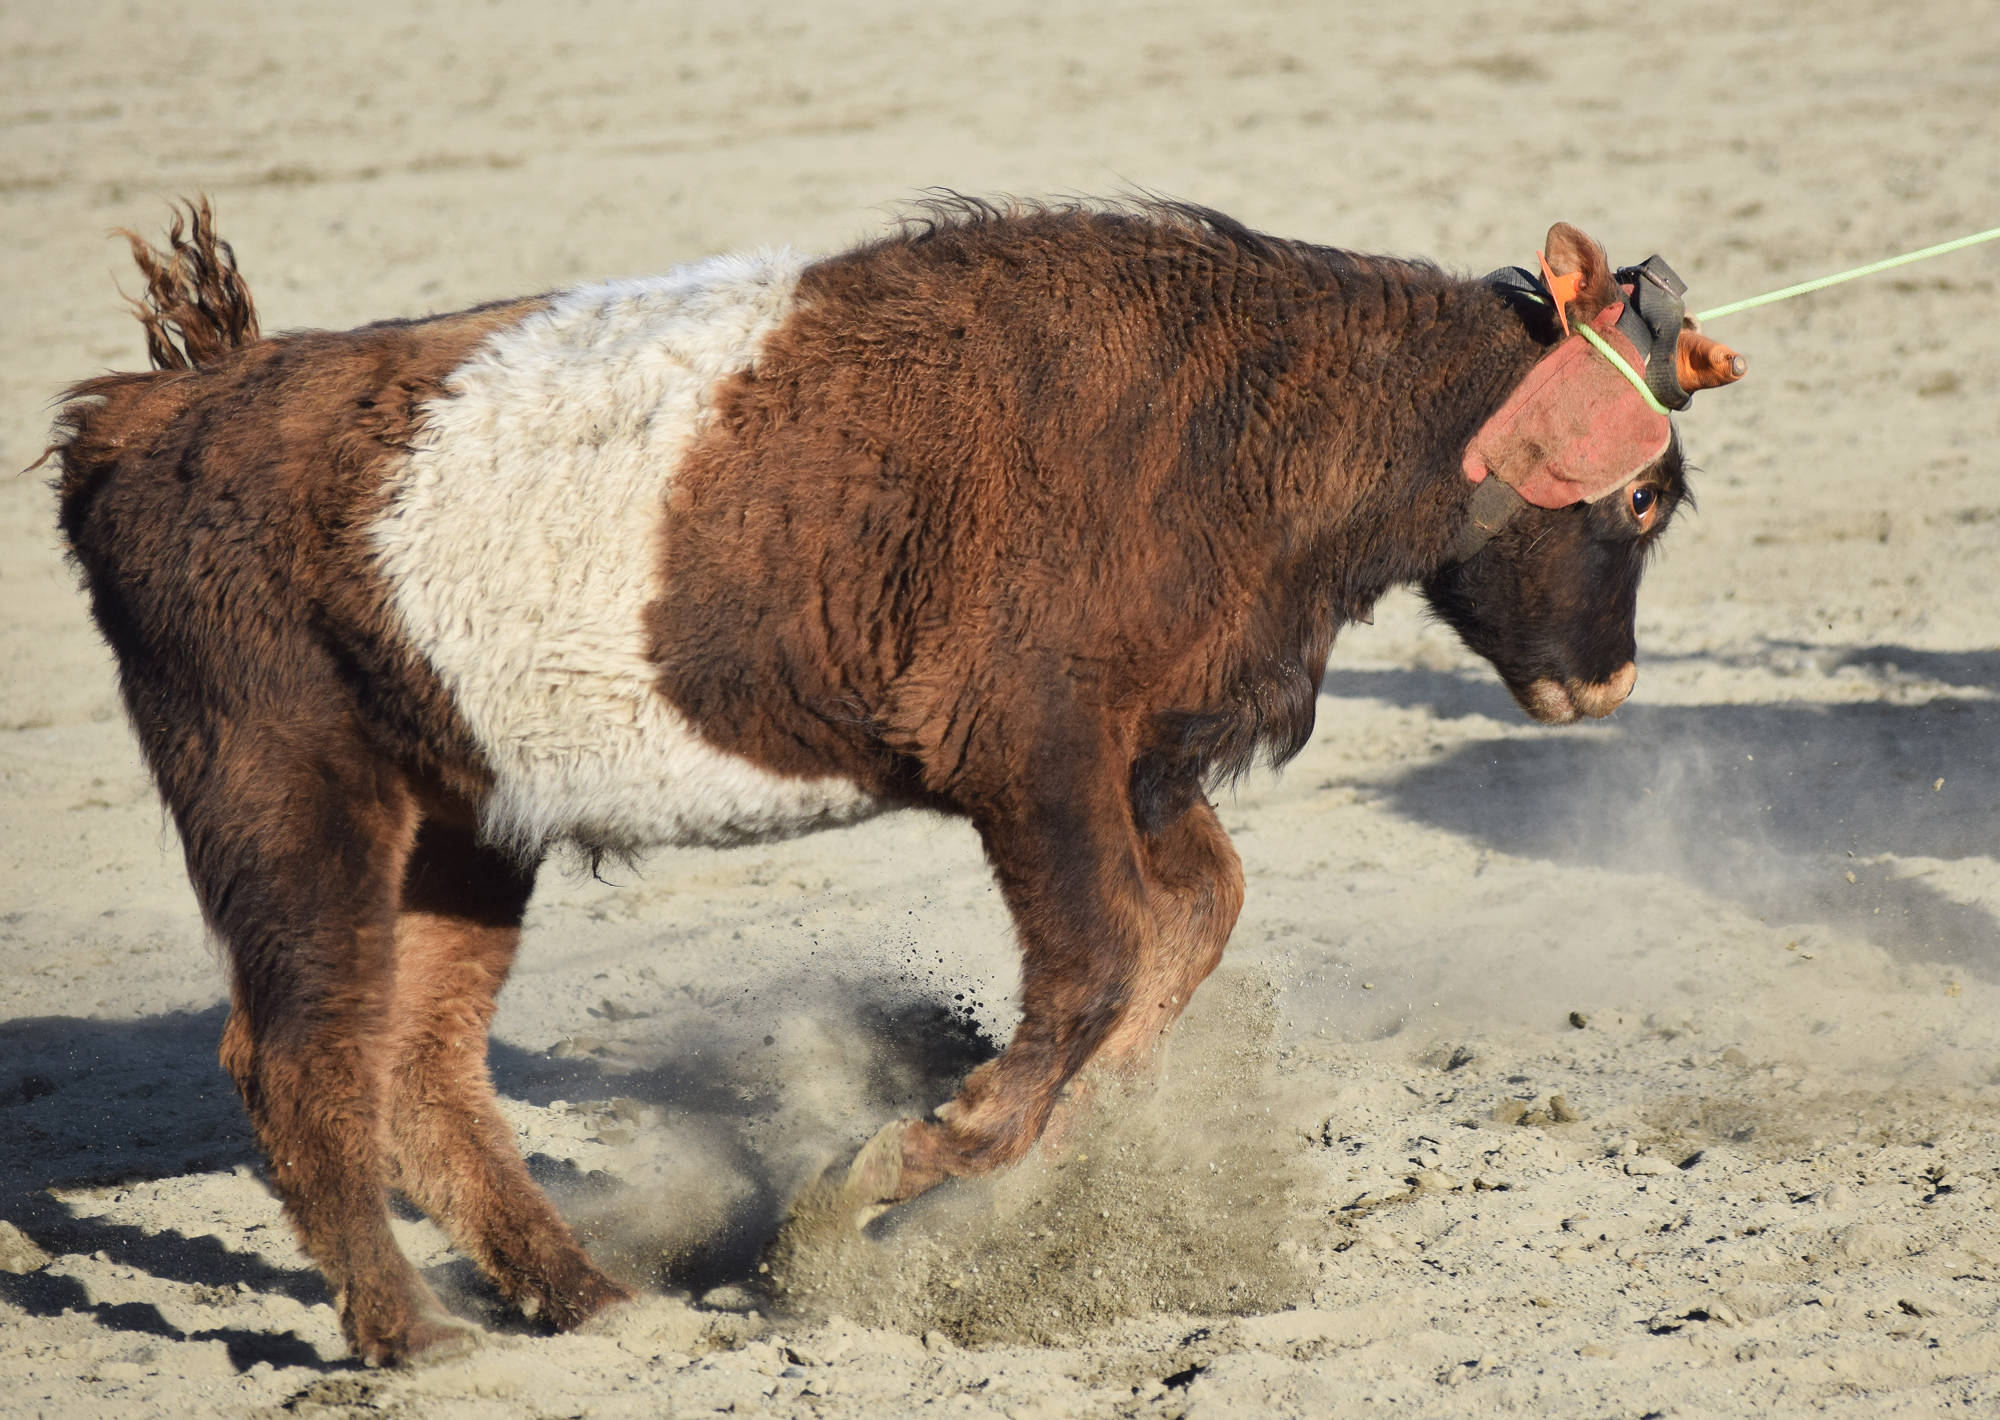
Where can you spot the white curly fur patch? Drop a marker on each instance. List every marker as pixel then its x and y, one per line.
pixel 523 539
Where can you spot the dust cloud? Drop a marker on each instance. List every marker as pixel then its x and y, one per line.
pixel 1178 1193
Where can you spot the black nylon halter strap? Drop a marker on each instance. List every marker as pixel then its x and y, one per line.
pixel 1494 504
pixel 1652 322
pixel 1522 289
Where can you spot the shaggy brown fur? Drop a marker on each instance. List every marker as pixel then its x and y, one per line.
pixel 319 776
pixel 1050 520
pixel 1045 518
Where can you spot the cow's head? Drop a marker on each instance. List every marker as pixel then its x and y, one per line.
pixel 1574 479
pixel 1550 599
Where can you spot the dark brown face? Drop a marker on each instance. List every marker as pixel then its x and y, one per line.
pixel 1550 600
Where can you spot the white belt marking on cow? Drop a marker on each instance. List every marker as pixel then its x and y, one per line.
pixel 522 540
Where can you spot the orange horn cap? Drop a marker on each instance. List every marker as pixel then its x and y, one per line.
pixel 1702 364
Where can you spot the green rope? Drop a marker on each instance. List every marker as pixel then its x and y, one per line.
pixel 1638 380
pixel 1869 270
pixel 1652 401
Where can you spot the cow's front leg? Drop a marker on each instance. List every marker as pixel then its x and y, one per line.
pixel 1072 869
pixel 1194 883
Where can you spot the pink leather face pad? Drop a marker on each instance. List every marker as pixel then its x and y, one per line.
pixel 1575 429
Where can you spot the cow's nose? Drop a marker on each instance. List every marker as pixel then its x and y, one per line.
pixel 1604 696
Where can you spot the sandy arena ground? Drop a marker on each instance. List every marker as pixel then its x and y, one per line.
pixel 1640 1069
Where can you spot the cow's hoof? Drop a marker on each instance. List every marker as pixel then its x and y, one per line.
pixel 424 1342
pixel 874 1181
pixel 890 1169
pixel 582 1294
pixel 592 1312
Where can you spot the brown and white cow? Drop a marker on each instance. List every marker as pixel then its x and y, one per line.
pixel 1045 517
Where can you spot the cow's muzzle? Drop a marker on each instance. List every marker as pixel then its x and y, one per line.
pixel 1557 702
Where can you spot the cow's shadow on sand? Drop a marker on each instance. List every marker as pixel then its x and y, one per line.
pixel 1770 806
pixel 86 1101
pixel 92 1102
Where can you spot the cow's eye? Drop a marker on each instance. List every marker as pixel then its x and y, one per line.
pixel 1643 500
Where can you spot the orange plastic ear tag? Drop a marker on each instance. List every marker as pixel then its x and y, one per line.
pixel 1562 289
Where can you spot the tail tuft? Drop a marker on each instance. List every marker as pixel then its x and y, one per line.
pixel 197 307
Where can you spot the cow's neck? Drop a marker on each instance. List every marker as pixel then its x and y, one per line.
pixel 1402 366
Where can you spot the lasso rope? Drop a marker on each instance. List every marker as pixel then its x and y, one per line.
pixel 1887 264
pixel 1638 380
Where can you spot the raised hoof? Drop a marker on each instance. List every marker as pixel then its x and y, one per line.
pixel 875 1181
pixel 423 1343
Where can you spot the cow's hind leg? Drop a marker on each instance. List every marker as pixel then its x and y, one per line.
pixel 296 838
pixel 452 1154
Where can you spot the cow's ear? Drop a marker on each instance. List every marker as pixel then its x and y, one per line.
pixel 1572 254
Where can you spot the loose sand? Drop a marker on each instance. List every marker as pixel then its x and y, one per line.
pixel 1643 1068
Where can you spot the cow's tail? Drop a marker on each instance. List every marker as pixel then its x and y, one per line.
pixel 196 310
pixel 196 307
